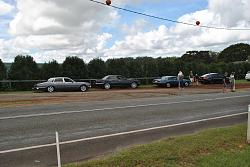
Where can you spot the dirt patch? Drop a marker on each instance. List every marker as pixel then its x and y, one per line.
pixel 30 98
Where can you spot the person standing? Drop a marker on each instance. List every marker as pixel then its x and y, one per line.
pixel 232 82
pixel 191 77
pixel 180 77
pixel 225 82
pixel 196 79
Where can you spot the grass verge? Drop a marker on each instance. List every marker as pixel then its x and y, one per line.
pixel 242 81
pixel 214 147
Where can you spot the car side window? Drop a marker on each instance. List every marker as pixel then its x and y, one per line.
pixel 112 78
pixel 67 80
pixel 121 77
pixel 58 80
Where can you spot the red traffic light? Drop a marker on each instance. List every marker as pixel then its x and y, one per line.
pixel 108 2
pixel 198 23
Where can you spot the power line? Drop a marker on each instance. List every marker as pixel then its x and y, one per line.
pixel 170 20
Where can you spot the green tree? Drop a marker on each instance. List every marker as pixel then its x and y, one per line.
pixel 24 68
pixel 75 68
pixel 97 68
pixel 166 66
pixel 51 69
pixel 2 70
pixel 199 56
pixel 117 67
pixel 237 52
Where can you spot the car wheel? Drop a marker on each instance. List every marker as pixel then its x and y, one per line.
pixel 134 85
pixel 50 89
pixel 168 85
pixel 186 84
pixel 107 86
pixel 83 88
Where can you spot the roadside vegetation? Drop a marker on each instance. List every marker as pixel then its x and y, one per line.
pixel 242 81
pixel 214 147
pixel 234 58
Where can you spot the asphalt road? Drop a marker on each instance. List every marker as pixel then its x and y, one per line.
pixel 83 127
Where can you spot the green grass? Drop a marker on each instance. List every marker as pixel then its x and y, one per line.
pixel 242 81
pixel 210 148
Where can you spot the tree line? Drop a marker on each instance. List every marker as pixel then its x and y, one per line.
pixel 232 59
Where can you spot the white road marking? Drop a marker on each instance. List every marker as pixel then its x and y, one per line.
pixel 114 108
pixel 121 133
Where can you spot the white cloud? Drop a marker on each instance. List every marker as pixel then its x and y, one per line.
pixel 5 8
pixel 60 27
pixel 178 39
pixel 54 29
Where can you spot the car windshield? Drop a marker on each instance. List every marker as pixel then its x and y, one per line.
pixel 106 77
pixel 50 80
pixel 164 78
pixel 205 75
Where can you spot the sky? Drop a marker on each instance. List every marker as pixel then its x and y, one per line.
pixel 54 29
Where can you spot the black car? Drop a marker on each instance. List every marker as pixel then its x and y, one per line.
pixel 213 78
pixel 170 81
pixel 110 81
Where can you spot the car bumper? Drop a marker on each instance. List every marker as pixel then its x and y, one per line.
pixel 158 83
pixel 99 84
pixel 39 88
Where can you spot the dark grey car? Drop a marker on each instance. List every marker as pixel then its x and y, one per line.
pixel 61 84
pixel 110 81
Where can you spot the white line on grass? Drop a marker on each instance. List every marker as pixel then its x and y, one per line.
pixel 121 133
pixel 114 108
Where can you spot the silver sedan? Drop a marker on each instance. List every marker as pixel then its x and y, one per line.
pixel 61 84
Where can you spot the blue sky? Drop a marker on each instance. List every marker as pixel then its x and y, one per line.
pixel 55 29
pixel 170 9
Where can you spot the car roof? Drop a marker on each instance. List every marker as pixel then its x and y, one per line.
pixel 168 76
pixel 112 75
pixel 58 77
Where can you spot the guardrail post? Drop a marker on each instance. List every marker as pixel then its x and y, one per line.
pixel 58 150
pixel 248 126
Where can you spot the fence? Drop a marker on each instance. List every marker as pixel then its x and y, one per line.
pixel 24 85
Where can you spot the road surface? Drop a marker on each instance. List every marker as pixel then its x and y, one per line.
pixel 90 129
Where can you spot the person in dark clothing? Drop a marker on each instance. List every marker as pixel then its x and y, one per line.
pixel 225 82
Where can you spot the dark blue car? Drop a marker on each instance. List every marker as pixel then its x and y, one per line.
pixel 170 81
pixel 110 81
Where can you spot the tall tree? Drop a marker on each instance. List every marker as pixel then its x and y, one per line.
pixel 97 68
pixel 51 69
pixel 117 67
pixel 199 56
pixel 24 68
pixel 2 70
pixel 237 52
pixel 75 68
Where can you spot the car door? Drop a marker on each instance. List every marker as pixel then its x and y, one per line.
pixel 122 81
pixel 173 81
pixel 59 83
pixel 113 81
pixel 69 84
pixel 217 78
